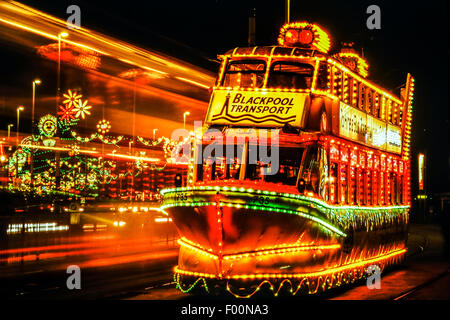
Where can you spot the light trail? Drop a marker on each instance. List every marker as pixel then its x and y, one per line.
pixel 22 17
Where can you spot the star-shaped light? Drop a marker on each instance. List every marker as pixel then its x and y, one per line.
pixel 82 109
pixel 71 98
pixel 67 113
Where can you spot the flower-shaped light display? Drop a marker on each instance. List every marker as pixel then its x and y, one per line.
pixel 71 98
pixel 103 126
pixel 66 112
pixel 81 109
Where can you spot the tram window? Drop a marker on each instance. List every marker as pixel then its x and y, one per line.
pixel 333 182
pixel 343 184
pixel 360 186
pixel 382 188
pixel 400 199
pixel 217 166
pixel 393 188
pixel 375 187
pixel 338 83
pixel 347 88
pixel 376 104
pixel 368 186
pixel 289 165
pixel 323 174
pixel 361 93
pixel 208 174
pixel 388 188
pixel 355 93
pixel 322 77
pixel 285 74
pixel 310 170
pixel 389 110
pixel 352 185
pixel 245 74
pixel 369 105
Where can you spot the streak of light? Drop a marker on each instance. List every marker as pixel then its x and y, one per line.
pixel 124 156
pixel 84 249
pixel 159 210
pixel 98 218
pixel 28 19
pixel 115 155
pixel 193 82
pixel 56 148
pixel 52 255
pixel 50 36
pixel 50 248
pixel 130 258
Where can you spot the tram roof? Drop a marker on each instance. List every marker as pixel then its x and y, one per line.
pixel 272 51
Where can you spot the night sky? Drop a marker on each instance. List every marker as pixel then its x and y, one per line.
pixel 413 38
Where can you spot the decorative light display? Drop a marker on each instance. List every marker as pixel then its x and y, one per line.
pixel 408 106
pixel 71 98
pixel 81 109
pixel 354 62
pixel 48 125
pixel 26 144
pixel 262 252
pixel 82 169
pixel 103 126
pixel 66 113
pixel 75 150
pixel 168 145
pixel 306 283
pixel 304 34
pixel 344 216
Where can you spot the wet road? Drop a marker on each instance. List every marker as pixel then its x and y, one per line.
pixel 116 254
pixel 136 263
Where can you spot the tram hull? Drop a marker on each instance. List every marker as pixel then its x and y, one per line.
pixel 230 245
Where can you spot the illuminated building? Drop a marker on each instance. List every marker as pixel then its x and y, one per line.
pixel 339 197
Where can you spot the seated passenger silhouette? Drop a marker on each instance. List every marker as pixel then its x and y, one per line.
pixel 313 184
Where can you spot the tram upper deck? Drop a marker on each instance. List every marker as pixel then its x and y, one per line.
pixel 299 84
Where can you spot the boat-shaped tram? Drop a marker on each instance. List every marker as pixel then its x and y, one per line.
pixel 299 180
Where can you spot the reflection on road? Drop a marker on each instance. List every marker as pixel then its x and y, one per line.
pixel 88 240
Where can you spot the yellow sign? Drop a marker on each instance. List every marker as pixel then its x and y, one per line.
pixel 361 127
pixel 393 139
pixel 249 108
pixel 421 170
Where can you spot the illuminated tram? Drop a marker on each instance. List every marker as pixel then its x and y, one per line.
pixel 338 200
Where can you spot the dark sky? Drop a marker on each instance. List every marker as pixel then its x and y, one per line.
pixel 413 38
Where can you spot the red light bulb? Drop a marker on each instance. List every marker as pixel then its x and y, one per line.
pixel 291 36
pixel 305 37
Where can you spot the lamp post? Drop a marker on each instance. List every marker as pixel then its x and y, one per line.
pixel 9 129
pixel 35 82
pixel 60 35
pixel 20 108
pixel 58 96
pixel 132 172
pixel 154 131
pixel 9 134
pixel 184 118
